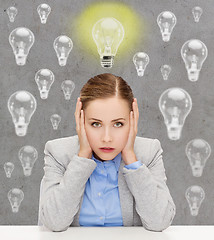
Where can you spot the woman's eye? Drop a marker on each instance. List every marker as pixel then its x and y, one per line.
pixel 120 124
pixel 95 124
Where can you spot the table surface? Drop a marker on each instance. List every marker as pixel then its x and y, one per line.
pixel 196 232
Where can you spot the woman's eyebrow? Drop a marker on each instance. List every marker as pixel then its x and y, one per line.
pixel 112 120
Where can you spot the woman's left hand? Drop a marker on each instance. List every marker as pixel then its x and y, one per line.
pixel 128 150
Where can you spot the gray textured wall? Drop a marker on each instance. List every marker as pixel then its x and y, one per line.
pixel 80 67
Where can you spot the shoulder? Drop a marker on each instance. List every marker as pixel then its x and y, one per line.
pixel 58 142
pixel 148 144
pixel 147 148
pixel 62 146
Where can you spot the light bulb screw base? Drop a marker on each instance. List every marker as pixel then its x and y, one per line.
pixel 107 61
pixel 21 130
pixel 174 132
pixel 193 75
pixel 140 72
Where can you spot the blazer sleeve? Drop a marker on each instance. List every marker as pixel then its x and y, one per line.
pixel 147 184
pixel 61 189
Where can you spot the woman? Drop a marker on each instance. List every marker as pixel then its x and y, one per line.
pixel 86 184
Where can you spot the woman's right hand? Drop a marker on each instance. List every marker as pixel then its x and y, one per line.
pixel 85 148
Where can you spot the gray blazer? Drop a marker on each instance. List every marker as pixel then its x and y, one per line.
pixel 144 196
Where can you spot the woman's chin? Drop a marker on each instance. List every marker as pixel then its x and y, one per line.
pixel 104 156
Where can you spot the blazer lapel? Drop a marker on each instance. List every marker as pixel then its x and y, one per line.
pixel 126 198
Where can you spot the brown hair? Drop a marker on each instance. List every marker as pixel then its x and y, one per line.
pixel 105 86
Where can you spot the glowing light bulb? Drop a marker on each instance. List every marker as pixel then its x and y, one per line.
pixel 15 196
pixel 108 33
pixel 194 52
pixel 44 79
pixel 28 156
pixel 62 46
pixel 140 61
pixel 165 71
pixel 68 87
pixel 195 196
pixel 43 11
pixel 166 21
pixel 21 40
pixel 175 104
pixel 55 120
pixel 21 106
pixel 8 168
pixel 197 12
pixel 198 151
pixel 12 12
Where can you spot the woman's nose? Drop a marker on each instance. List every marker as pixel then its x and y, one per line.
pixel 107 135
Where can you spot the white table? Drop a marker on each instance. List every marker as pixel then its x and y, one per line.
pixel 8 232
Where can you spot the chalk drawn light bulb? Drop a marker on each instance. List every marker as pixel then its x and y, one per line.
pixel 55 120
pixel 140 60
pixel 166 21
pixel 15 197
pixel 43 11
pixel 165 71
pixel 8 168
pixel 198 151
pixel 68 87
pixel 175 105
pixel 21 40
pixel 195 196
pixel 12 12
pixel 27 156
pixel 62 45
pixel 197 12
pixel 21 106
pixel 44 79
pixel 194 52
pixel 108 33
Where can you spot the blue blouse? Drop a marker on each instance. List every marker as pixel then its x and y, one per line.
pixel 101 202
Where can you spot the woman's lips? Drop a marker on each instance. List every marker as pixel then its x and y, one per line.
pixel 107 149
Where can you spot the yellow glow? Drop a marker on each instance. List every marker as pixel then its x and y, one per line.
pixel 84 22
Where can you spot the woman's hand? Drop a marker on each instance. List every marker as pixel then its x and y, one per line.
pixel 127 153
pixel 85 149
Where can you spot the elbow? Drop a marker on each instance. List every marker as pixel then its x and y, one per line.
pixel 55 228
pixel 53 224
pixel 157 227
pixel 59 229
pixel 154 228
pixel 164 222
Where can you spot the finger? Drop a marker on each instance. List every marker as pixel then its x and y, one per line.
pixel 135 115
pixel 77 114
pixel 76 106
pixel 77 122
pixel 131 122
pixel 82 121
pixel 137 107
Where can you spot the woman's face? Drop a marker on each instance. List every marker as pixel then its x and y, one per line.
pixel 101 128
